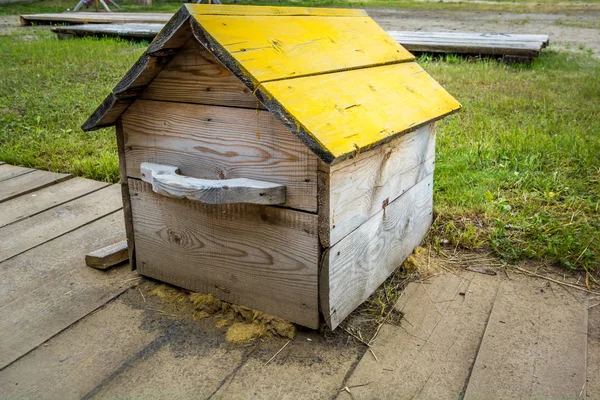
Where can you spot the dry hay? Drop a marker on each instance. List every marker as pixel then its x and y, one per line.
pixel 244 323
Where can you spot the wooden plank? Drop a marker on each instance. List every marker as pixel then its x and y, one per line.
pixel 262 257
pixel 31 232
pixel 535 344
pixel 167 181
pixel 526 49
pixel 360 262
pixel 128 31
pixel 592 386
pixel 29 182
pixel 43 199
pixel 48 288
pixel 362 186
pixel 485 37
pixel 261 49
pixel 430 354
pixel 346 119
pixel 211 142
pixel 243 10
pixel 83 356
pixel 196 76
pixel 93 17
pixel 125 193
pixel 108 256
pixel 10 171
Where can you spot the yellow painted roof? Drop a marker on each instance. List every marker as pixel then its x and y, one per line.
pixel 334 76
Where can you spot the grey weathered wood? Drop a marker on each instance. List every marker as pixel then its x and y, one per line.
pixel 29 182
pixel 31 232
pixel 360 187
pixel 535 344
pixel 166 181
pixel 83 356
pixel 48 288
pixel 108 256
pixel 259 256
pixel 212 142
pixel 360 262
pixel 481 37
pixel 43 199
pixel 125 193
pixel 430 354
pixel 10 171
pixel 93 17
pixel 127 31
pixel 196 76
pixel 592 387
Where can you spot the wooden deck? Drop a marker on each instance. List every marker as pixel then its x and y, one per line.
pixel 69 331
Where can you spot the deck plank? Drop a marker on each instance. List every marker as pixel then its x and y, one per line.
pixel 535 344
pixel 431 353
pixel 592 385
pixel 31 232
pixel 33 203
pixel 10 171
pixel 29 182
pixel 48 288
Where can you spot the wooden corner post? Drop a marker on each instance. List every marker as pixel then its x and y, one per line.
pixel 125 193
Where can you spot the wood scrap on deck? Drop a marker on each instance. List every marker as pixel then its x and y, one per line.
pixel 108 256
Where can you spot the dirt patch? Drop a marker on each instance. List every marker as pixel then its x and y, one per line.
pixel 571 30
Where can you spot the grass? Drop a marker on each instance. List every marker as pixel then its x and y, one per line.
pixel 517 169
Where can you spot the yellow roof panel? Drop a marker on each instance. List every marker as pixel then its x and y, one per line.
pixel 231 9
pixel 267 48
pixel 350 111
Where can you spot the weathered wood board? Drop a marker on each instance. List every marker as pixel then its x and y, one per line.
pixel 82 357
pixel 353 268
pixel 592 386
pixel 10 171
pixel 362 186
pixel 126 31
pixel 29 182
pixel 343 119
pixel 31 232
pixel 43 199
pixel 48 288
pixel 533 348
pixel 196 76
pixel 94 17
pixel 430 354
pixel 259 256
pixel 210 142
pixel 108 256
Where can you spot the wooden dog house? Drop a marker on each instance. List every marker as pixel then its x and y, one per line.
pixel 278 158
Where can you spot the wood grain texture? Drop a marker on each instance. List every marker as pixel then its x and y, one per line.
pixel 41 200
pixel 381 103
pixel 10 171
pixel 535 343
pixel 260 11
pixel 262 257
pixel 48 288
pixel 210 142
pixel 125 193
pixel 31 232
pixel 165 180
pixel 108 256
pixel 362 186
pixel 270 48
pixel 360 262
pixel 94 17
pixel 196 76
pixel 29 182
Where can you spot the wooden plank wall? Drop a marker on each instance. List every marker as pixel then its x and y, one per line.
pixel 261 257
pixel 374 210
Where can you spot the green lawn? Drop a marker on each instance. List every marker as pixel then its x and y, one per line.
pixel 518 170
